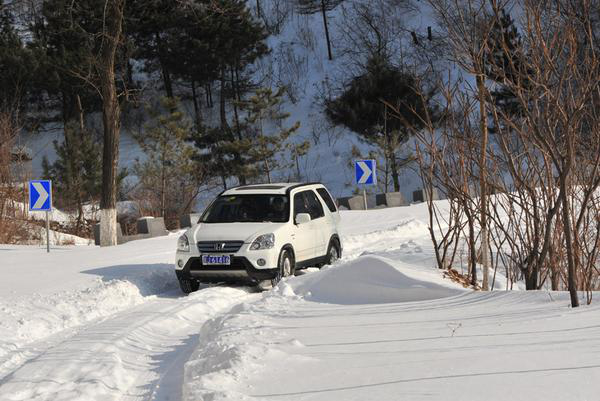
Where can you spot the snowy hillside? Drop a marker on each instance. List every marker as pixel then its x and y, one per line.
pixel 84 323
pixel 298 60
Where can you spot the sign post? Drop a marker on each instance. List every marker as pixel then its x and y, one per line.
pixel 40 200
pixel 366 174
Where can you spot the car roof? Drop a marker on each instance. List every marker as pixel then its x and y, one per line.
pixel 275 188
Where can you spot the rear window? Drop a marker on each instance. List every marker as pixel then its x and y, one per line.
pixel 327 199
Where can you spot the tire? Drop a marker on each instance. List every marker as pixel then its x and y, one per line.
pixel 333 252
pixel 285 267
pixel 188 286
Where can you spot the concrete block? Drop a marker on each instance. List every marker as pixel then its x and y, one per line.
pixel 435 195
pixel 421 195
pixel 189 220
pixel 155 226
pixel 357 202
pixel 395 199
pixel 343 203
pixel 418 196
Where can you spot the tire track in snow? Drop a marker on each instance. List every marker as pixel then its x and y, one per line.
pixel 137 354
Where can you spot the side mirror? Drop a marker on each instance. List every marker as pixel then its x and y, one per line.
pixel 302 218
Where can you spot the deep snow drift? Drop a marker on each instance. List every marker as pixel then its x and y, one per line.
pixel 370 280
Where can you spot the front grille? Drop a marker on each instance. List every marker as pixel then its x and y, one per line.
pixel 219 246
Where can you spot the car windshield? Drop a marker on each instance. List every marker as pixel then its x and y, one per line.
pixel 248 209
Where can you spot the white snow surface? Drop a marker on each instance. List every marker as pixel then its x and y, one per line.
pixel 90 323
pixel 371 280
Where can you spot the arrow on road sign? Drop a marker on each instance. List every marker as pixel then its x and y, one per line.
pixel 365 172
pixel 42 193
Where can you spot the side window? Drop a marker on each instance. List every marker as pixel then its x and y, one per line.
pixel 327 199
pixel 314 206
pixel 300 205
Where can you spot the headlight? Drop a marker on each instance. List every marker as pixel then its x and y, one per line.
pixel 183 244
pixel 265 241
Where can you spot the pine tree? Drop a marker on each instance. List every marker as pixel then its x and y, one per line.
pixel 505 64
pixel 77 172
pixel 363 109
pixel 169 169
pixel 297 151
pixel 322 6
pixel 17 65
pixel 229 26
pixel 65 40
pixel 266 148
pixel 151 25
pixel 259 149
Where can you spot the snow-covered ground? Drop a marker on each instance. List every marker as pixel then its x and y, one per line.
pixel 85 323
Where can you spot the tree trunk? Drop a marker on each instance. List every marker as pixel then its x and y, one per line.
pixel 482 182
pixel 222 110
pixel 197 110
pixel 236 116
pixel 163 188
pixel 395 174
pixel 472 250
pixel 554 272
pixel 209 100
pixel 566 218
pixel 297 160
pixel 111 118
pixel 165 71
pixel 79 189
pixel 324 12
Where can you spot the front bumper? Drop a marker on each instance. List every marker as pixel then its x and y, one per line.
pixel 240 270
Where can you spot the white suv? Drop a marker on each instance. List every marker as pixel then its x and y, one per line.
pixel 260 233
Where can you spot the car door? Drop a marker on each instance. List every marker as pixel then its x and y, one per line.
pixel 330 203
pixel 318 222
pixel 303 234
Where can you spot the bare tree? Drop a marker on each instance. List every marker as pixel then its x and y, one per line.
pixel 539 176
pixel 111 118
pixel 322 6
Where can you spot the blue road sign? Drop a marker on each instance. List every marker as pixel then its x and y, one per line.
pixel 365 172
pixel 40 195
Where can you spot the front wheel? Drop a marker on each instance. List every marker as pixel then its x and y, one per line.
pixel 188 286
pixel 285 267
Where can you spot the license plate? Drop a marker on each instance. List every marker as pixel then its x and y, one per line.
pixel 208 260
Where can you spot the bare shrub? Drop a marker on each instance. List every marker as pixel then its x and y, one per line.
pixel 12 217
pixel 538 176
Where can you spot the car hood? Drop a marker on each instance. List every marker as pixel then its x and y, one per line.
pixel 232 231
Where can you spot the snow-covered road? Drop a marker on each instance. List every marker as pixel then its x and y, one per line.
pixel 474 346
pixel 138 354
pixel 85 323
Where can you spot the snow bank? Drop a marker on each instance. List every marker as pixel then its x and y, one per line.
pixel 55 214
pixel 371 280
pixel 382 239
pixel 225 358
pixel 44 294
pixel 58 238
pixel 26 320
